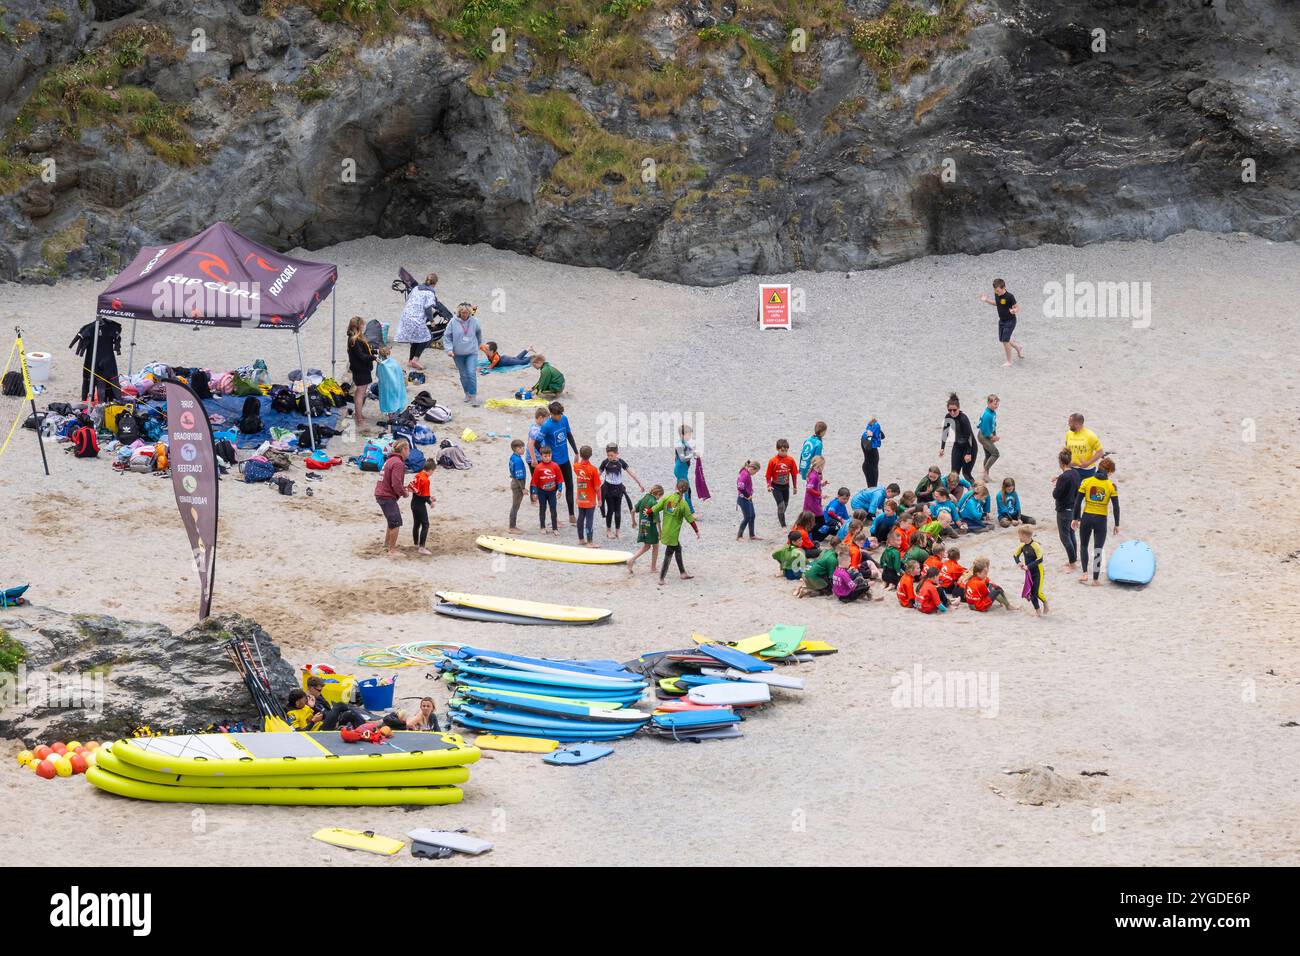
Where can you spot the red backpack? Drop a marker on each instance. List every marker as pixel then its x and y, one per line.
pixel 85 443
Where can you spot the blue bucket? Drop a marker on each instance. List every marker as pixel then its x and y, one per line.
pixel 376 696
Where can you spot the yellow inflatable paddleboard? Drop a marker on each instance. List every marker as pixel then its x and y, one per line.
pixel 544 551
pixel 285 796
pixel 519 745
pixel 359 840
pixel 253 755
pixel 443 777
pixel 547 612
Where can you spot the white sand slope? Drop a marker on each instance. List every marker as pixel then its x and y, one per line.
pixel 1179 692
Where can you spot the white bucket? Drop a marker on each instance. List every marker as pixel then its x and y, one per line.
pixel 38 367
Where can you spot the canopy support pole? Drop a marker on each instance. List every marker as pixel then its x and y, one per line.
pixel 130 355
pixel 334 334
pixel 94 365
pixel 306 389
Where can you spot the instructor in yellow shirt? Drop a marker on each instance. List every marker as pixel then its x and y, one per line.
pixel 1084 447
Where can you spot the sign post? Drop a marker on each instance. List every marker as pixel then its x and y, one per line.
pixel 192 458
pixel 774 307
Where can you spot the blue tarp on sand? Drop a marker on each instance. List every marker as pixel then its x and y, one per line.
pixel 231 407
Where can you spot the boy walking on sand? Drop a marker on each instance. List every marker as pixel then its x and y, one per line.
pixel 1008 309
pixel 586 480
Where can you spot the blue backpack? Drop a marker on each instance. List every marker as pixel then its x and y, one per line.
pixel 371 458
pixel 414 460
pixel 257 469
pixel 425 436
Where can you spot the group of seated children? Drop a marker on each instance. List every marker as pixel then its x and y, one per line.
pixel 828 552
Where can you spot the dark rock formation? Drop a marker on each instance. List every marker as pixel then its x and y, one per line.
pixel 310 133
pixel 98 678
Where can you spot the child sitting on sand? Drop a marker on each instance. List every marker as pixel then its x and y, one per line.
pixel 1009 512
pixel 804 524
pixel 906 527
pixel 974 508
pixel 884 522
pixel 791 558
pixel 837 512
pixel 847 583
pixel 943 504
pixel 907 584
pixel 927 486
pixel 858 515
pixel 928 598
pixel 950 575
pixel 980 591
pixel 891 562
pixel 817 576
pixel 918 549
pixel 647 527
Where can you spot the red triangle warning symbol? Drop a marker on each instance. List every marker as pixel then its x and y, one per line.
pixel 775 298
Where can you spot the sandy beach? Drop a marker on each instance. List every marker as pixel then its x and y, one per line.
pixel 1179 693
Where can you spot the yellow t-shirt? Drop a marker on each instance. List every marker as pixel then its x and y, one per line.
pixel 1097 493
pixel 1082 445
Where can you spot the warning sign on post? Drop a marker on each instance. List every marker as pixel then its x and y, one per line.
pixel 774 307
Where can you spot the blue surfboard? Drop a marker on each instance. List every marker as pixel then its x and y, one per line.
pixel 582 753
pixel 1133 562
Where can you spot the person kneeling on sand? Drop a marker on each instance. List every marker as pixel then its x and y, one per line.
pixel 550 383
pixel 818 575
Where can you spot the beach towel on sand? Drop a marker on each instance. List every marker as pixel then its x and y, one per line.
pixel 483 367
pixel 230 408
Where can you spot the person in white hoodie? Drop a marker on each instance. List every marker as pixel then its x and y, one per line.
pixel 462 340
pixel 413 327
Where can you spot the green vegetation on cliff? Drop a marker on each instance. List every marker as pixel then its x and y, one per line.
pixel 89 93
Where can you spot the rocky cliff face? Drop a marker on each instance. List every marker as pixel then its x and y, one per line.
pixel 97 678
pixel 678 139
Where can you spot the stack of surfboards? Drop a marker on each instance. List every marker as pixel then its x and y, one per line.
pixel 498 610
pixel 303 769
pixel 716 680
pixel 562 700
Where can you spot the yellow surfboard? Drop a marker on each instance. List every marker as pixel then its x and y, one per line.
pixel 359 840
pixel 519 745
pixel 547 612
pixel 545 551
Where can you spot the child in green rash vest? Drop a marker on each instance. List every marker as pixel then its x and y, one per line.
pixel 919 550
pixel 817 577
pixel 550 383
pixel 676 511
pixel 891 562
pixel 790 557
pixel 647 527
